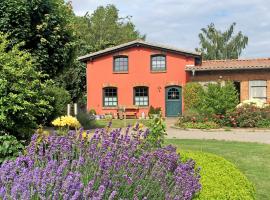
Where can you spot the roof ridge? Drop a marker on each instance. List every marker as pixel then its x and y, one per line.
pixel 134 42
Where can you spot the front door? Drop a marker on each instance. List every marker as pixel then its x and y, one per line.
pixel 173 101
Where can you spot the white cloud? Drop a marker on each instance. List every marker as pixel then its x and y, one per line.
pixel 178 22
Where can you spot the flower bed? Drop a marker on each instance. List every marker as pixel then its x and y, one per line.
pixel 244 116
pixel 107 166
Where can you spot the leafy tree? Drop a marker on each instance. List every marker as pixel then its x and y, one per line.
pixel 46 29
pixel 22 101
pixel 216 44
pixel 218 99
pixel 104 28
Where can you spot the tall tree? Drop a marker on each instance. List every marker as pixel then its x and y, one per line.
pixel 103 28
pixel 216 44
pixel 45 28
pixel 23 103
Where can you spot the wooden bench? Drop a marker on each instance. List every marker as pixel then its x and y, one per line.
pixel 127 112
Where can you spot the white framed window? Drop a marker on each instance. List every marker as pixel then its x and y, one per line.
pixel 120 64
pixel 110 97
pixel 141 97
pixel 158 62
pixel 257 89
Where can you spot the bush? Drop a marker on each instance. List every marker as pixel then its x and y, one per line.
pixel 154 111
pixel 10 148
pixel 200 125
pixel 86 120
pixel 193 93
pixel 107 166
pixel 218 99
pixel 246 116
pixel 60 99
pixel 220 179
pixel 253 102
pixel 263 123
pixel 64 123
pixel 157 132
pixel 23 103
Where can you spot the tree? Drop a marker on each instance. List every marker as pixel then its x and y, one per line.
pixel 22 101
pixel 104 28
pixel 216 44
pixel 218 99
pixel 46 29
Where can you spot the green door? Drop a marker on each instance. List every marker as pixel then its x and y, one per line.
pixel 173 101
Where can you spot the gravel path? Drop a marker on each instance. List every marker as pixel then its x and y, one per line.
pixel 242 135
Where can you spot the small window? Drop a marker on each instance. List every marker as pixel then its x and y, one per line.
pixel 257 89
pixel 173 94
pixel 141 97
pixel 158 63
pixel 110 97
pixel 120 64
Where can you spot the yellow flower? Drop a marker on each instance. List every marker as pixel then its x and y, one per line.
pixel 66 121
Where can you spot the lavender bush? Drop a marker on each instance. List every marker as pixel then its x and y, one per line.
pixel 109 165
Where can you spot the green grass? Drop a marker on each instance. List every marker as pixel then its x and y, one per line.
pixel 252 159
pixel 117 123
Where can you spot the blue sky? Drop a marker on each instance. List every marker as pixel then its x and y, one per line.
pixel 178 22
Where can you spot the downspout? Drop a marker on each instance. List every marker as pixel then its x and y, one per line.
pixel 193 72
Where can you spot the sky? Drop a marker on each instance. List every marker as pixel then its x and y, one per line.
pixel 178 22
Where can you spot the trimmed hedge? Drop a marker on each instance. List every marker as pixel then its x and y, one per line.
pixel 220 178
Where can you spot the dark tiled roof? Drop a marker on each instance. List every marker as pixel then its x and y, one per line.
pixel 210 65
pixel 134 44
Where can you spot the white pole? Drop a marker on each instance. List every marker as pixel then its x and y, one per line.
pixel 68 109
pixel 75 109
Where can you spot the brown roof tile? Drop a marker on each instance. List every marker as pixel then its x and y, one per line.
pixel 209 65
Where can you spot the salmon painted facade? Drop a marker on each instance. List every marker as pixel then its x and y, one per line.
pixel 137 74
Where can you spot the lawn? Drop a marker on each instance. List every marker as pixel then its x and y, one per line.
pixel 252 159
pixel 117 123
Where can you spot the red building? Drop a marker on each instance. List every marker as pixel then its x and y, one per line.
pixel 138 74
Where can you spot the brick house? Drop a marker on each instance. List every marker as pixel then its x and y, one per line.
pixel 250 76
pixel 139 74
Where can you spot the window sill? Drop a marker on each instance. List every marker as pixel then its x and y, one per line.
pixel 143 106
pixel 109 108
pixel 120 72
pixel 159 71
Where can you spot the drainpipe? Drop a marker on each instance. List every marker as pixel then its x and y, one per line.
pixel 193 72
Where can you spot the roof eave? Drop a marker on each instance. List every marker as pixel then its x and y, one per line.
pixel 227 69
pixel 90 56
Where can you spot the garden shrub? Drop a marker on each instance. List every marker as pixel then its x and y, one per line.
pixel 107 166
pixel 65 123
pixel 220 179
pixel 154 111
pixel 253 102
pixel 87 120
pixel 60 99
pixel 23 103
pixel 10 147
pixel 263 123
pixel 200 125
pixel 193 93
pixel 218 99
pixel 246 116
pixel 157 132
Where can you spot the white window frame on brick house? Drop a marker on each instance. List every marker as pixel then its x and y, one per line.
pixel 258 89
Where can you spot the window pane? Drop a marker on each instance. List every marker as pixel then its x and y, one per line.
pixel 257 83
pixel 141 96
pixel 110 96
pixel 121 64
pixel 158 63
